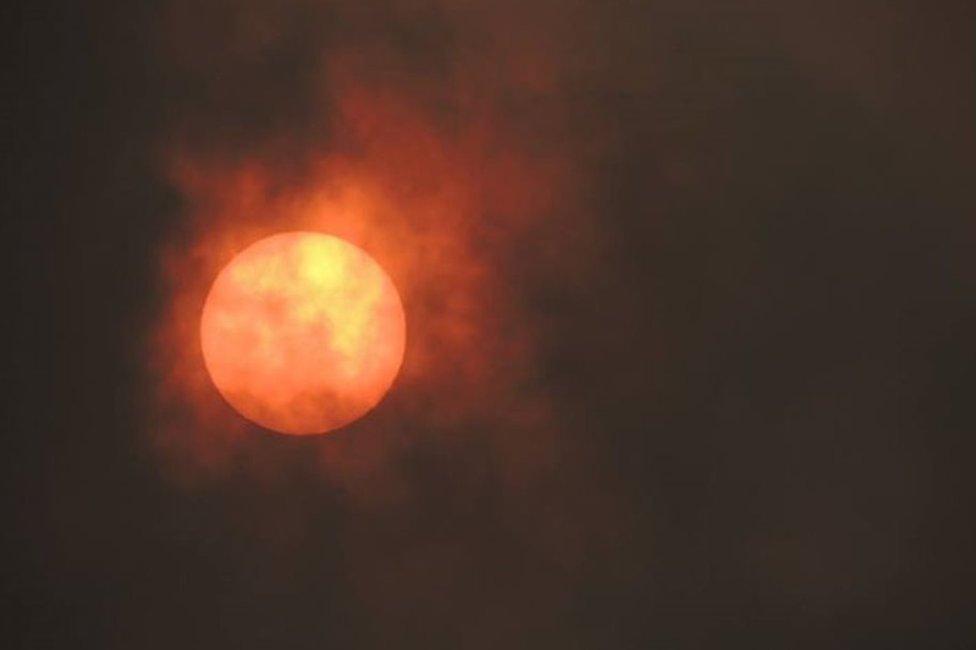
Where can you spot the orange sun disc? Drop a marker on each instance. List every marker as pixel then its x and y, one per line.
pixel 303 332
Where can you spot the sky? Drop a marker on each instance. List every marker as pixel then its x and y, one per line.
pixel 689 299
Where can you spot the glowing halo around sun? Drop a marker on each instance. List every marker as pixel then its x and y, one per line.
pixel 303 333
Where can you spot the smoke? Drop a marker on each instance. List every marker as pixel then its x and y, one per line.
pixel 438 137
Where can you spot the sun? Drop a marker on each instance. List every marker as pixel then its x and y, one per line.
pixel 303 333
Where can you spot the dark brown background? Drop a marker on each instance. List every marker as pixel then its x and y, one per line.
pixel 770 368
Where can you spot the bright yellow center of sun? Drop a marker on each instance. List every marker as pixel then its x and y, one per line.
pixel 303 332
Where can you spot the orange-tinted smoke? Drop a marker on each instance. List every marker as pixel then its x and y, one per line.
pixel 426 171
pixel 436 137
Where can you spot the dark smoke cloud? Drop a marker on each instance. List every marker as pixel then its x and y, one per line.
pixel 584 206
pixel 690 341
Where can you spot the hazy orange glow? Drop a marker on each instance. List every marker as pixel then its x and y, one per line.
pixel 467 185
pixel 303 332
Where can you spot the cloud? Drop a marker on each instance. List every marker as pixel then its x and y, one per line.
pixel 436 136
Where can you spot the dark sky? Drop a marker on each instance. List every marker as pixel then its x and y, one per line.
pixel 760 373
